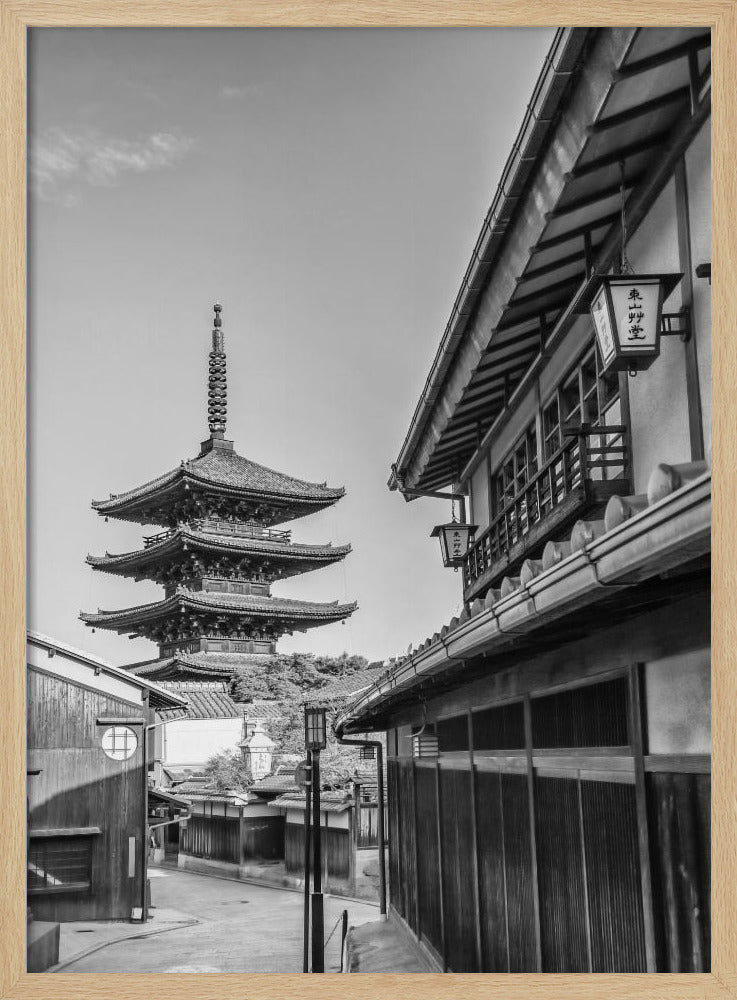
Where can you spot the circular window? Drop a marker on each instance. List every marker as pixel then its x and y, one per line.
pixel 119 742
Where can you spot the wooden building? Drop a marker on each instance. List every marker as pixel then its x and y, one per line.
pixel 549 748
pixel 87 785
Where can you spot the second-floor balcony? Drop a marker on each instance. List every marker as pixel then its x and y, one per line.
pixel 216 526
pixel 576 481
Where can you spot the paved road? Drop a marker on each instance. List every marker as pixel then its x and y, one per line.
pixel 242 928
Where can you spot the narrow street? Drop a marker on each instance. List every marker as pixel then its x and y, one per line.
pixel 241 928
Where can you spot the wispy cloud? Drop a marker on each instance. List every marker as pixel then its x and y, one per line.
pixel 232 92
pixel 60 159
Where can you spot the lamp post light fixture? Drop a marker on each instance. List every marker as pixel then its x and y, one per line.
pixel 455 540
pixel 627 310
pixel 315 741
pixel 315 728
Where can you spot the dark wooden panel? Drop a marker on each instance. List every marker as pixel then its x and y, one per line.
pixel 561 877
pixel 407 849
pixel 501 728
pixel 679 813
pixel 215 837
pixel 613 877
pixel 428 867
pixel 458 870
pixel 395 881
pixel 518 870
pixel 593 715
pixel 263 837
pixel 334 849
pixel 492 879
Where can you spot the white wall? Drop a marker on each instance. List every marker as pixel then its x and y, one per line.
pixel 658 401
pixel 191 742
pixel 678 703
pixel 698 178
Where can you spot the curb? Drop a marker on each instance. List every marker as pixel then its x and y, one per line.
pixel 263 884
pixel 124 937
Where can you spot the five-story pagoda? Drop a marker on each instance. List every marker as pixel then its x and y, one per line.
pixel 218 555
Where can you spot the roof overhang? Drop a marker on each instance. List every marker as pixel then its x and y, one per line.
pixel 604 96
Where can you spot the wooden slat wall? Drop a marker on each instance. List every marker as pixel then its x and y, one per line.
pixel 680 832
pixel 407 851
pixel 263 837
pixel 492 877
pixel 560 871
pixel 216 837
pixel 335 847
pixel 428 859
pixel 613 877
pixel 518 865
pixel 79 786
pixel 482 902
pixel 458 891
pixel 396 894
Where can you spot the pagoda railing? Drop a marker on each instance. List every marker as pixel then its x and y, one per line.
pixel 593 461
pixel 215 526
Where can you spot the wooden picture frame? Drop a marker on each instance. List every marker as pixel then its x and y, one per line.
pixel 16 16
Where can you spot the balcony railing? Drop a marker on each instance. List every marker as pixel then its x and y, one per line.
pixel 215 526
pixel 589 467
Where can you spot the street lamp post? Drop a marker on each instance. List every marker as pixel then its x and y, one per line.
pixel 315 741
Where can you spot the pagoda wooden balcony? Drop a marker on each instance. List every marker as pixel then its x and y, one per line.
pixel 216 526
pixel 571 485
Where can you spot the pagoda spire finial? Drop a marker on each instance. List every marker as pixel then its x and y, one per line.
pixel 217 391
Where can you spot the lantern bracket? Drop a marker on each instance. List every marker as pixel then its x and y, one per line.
pixel 677 324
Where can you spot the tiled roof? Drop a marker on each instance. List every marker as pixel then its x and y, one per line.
pixel 276 784
pixel 200 665
pixel 202 540
pixel 269 710
pixel 336 802
pixel 226 468
pixel 271 607
pixel 346 687
pixel 206 699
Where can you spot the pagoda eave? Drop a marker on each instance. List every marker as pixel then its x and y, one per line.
pixel 207 607
pixel 292 558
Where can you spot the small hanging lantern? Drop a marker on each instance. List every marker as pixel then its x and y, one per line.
pixel 627 311
pixel 455 540
pixel 627 308
pixel 315 728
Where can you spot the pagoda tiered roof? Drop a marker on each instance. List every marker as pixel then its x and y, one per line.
pixel 241 545
pixel 199 666
pixel 219 479
pixel 293 615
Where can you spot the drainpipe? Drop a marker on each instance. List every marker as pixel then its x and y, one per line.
pixel 380 780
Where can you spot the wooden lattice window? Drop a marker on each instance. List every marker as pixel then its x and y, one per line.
pixel 60 864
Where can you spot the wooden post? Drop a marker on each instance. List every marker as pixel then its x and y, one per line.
pixel 318 930
pixel 308 805
pixel 532 833
pixel 475 850
pixel 643 837
pixel 241 836
pixel 438 829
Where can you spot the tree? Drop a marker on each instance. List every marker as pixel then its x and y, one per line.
pixel 229 772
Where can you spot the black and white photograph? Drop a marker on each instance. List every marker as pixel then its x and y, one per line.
pixel 369 500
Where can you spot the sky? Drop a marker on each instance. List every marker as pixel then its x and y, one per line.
pixel 327 187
